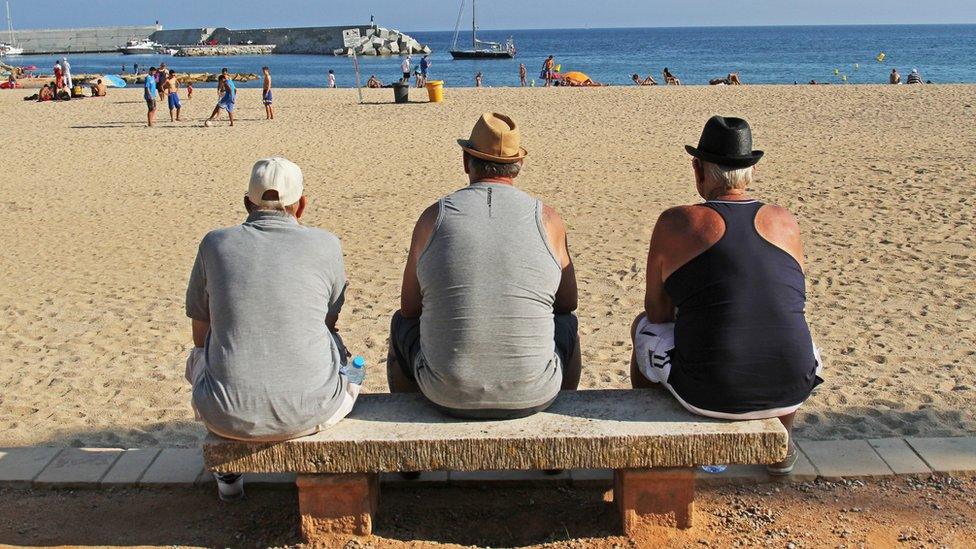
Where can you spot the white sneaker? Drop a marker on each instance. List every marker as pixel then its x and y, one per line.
pixel 230 487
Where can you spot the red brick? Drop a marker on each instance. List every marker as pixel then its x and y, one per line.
pixel 654 498
pixel 337 504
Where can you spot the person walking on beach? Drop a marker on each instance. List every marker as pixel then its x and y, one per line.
pixel 264 299
pixel 266 94
pixel 478 79
pixel 58 77
pixel 549 70
pixel 405 69
pixel 895 78
pixel 523 75
pixel 424 70
pixel 486 328
pixel 161 75
pixel 149 94
pixel 172 87
pixel 332 80
pixel 724 327
pixel 228 98
pixel 66 70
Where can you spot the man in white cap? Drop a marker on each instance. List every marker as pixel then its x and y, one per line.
pixel 264 298
pixel 486 328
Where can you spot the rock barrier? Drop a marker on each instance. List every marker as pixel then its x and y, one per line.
pixel 384 42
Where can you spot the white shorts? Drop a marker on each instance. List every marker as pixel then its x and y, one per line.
pixel 654 344
pixel 196 364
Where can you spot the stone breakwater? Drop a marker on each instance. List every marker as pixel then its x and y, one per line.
pixel 214 51
pixel 381 41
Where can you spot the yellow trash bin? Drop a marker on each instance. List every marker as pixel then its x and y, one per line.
pixel 435 91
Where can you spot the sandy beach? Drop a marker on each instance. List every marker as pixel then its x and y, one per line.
pixel 102 217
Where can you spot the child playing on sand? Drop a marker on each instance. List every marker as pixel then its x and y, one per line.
pixel 266 94
pixel 189 90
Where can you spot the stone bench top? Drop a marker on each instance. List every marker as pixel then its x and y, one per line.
pixel 615 429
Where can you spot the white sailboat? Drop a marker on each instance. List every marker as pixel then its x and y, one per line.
pixel 10 48
pixel 479 49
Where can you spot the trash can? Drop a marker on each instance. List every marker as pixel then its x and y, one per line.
pixel 435 91
pixel 401 93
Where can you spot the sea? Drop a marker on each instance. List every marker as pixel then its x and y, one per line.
pixel 761 55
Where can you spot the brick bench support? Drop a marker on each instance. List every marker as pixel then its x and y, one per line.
pixel 649 498
pixel 337 504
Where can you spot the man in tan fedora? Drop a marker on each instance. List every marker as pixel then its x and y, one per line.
pixel 486 328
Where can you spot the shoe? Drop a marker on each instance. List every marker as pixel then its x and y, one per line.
pixel 230 487
pixel 786 466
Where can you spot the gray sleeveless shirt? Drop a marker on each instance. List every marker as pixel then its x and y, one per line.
pixel 489 279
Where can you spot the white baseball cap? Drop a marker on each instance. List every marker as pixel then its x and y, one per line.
pixel 276 174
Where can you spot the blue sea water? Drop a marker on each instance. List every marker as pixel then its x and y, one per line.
pixel 767 55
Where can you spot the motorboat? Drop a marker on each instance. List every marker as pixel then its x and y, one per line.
pixel 140 47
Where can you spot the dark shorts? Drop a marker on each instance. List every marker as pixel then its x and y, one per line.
pixel 151 104
pixel 405 347
pixel 406 76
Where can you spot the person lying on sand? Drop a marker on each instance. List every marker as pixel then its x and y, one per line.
pixel 486 326
pixel 649 81
pixel 254 379
pixel 733 267
pixel 731 80
pixel 374 82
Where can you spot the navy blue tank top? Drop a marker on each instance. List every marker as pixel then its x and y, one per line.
pixel 742 343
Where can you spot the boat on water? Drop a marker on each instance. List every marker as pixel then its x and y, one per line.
pixel 9 49
pixel 479 49
pixel 140 47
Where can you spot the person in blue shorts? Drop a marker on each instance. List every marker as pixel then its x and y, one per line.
pixel 149 94
pixel 424 69
pixel 228 97
pixel 172 86
pixel 266 94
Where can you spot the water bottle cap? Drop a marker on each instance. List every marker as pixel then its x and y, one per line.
pixel 359 362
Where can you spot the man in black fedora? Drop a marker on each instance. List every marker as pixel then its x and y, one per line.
pixel 723 327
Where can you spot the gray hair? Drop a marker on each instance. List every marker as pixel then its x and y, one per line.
pixel 731 178
pixel 487 168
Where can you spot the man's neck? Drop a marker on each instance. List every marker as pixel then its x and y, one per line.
pixel 737 195
pixel 495 181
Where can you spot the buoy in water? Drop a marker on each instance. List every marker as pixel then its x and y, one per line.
pixel 881 57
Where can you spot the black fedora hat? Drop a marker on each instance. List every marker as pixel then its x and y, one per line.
pixel 726 142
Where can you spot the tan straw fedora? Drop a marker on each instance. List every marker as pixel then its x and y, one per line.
pixel 495 138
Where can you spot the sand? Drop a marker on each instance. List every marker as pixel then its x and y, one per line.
pixel 101 218
pixel 890 513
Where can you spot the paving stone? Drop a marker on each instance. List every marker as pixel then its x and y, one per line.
pixel 953 456
pixel 836 459
pixel 804 471
pixel 174 466
pixel 130 466
pixel 900 456
pixel 426 479
pixel 591 477
pixel 78 467
pixel 521 478
pixel 19 466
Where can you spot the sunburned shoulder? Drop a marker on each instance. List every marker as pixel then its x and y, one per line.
pixel 680 218
pixel 779 217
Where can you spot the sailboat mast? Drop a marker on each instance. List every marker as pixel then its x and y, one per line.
pixel 474 25
pixel 10 25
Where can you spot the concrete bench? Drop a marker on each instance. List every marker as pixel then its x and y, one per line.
pixel 651 443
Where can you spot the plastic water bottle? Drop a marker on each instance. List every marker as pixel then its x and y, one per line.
pixel 714 469
pixel 356 370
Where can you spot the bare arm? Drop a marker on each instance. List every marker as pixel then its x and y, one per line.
pixel 411 298
pixel 567 295
pixel 657 303
pixel 200 330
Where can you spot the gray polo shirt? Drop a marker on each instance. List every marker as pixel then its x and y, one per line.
pixel 266 288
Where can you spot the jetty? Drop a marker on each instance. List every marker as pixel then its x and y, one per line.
pixel 215 51
pixel 293 40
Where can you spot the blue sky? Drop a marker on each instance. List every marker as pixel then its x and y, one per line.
pixel 503 14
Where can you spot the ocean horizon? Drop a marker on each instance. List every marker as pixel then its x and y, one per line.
pixel 784 54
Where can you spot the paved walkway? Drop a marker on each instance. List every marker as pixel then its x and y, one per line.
pixel 42 467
